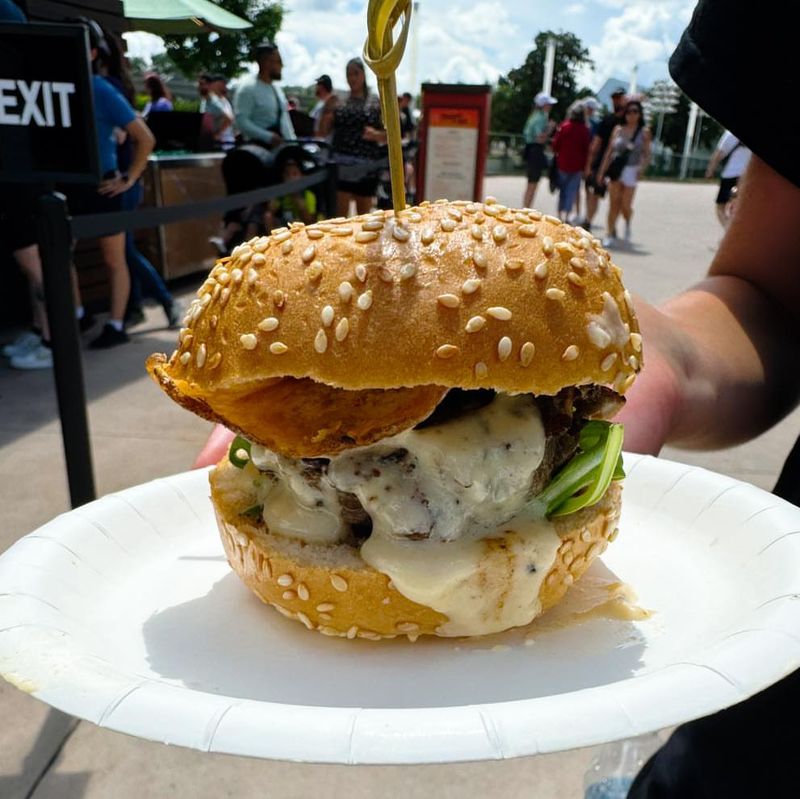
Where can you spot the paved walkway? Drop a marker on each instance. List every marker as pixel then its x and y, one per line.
pixel 138 435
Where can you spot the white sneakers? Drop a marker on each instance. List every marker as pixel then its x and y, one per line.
pixel 28 352
pixel 40 358
pixel 22 345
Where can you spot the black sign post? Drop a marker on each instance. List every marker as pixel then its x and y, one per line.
pixel 47 135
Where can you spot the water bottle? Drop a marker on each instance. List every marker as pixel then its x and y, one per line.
pixel 613 770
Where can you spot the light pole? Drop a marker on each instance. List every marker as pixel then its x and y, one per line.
pixel 549 64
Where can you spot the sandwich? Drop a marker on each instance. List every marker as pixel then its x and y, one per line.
pixel 421 405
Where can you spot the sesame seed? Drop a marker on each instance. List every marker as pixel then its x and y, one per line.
pixel 533 214
pixel 613 534
pixel 314 233
pixel 471 285
pixel 223 278
pixel 287 247
pixel 577 263
pixel 481 370
pixel 385 274
pixel 442 201
pixel 364 301
pixel 427 235
pixel 470 208
pixel 575 279
pixel 215 361
pixel 446 351
pixel 480 218
pixel 217 289
pixel 479 259
pixel 346 291
pixel 407 271
pixel 598 335
pixel 504 347
pixel 547 245
pixel 248 340
pixel 236 277
pixel 305 620
pixel 584 243
pixel 206 298
pixel 185 357
pixel 261 244
pixel 278 348
pixel 448 225
pixel 361 273
pixel 490 211
pixel 309 253
pixel 541 270
pixel 320 341
pixel 365 236
pixel 352 632
pixel 455 213
pixel 325 607
pixel 339 583
pixel 490 200
pixel 628 299
pixel 313 272
pixel 258 260
pixel 283 235
pixel 183 333
pixel 570 353
pixel 499 312
pixel 400 233
pixel 475 324
pixel 526 353
pixel 565 249
pixel 553 220
pixel 568 579
pixel 341 230
pixel 406 627
pixel 449 300
pixel 252 276
pixel 608 361
pixel 499 233
pixel 633 362
pixel 245 256
pixel 285 580
pixel 269 324
pixel 200 358
pixel 555 294
pixel 372 225
pixel 636 341
pixel 302 592
pixel 415 218
pixel 476 231
pixel 628 382
pixel 527 231
pixel 279 298
pixel 212 323
pixel 289 595
pixel 327 316
pixel 241 539
pixel 342 329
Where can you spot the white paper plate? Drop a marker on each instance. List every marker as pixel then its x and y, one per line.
pixel 124 612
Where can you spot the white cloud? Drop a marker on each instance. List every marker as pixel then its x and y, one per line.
pixel 573 9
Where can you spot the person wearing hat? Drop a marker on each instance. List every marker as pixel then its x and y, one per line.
pixel 595 191
pixel 322 91
pixel 260 107
pixel 538 129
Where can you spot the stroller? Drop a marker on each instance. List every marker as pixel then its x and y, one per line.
pixel 251 166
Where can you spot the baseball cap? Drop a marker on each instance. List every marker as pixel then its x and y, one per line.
pixel 618 91
pixel 326 81
pixel 590 102
pixel 543 98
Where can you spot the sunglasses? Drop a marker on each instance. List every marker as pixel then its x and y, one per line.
pixel 632 111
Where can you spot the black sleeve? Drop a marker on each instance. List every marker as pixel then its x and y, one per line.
pixel 734 61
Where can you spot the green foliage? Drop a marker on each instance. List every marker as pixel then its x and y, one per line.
pixel 225 52
pixel 512 99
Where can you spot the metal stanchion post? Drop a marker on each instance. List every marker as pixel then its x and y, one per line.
pixel 55 243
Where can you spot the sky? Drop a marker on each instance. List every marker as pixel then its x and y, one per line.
pixel 478 42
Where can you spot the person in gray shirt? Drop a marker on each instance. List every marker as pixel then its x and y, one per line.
pixel 260 106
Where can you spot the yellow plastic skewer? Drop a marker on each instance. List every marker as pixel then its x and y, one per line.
pixel 383 55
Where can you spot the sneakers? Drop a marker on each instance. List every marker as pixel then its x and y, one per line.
pixel 110 337
pixel 218 243
pixel 134 316
pixel 627 233
pixel 86 322
pixel 39 358
pixel 609 242
pixel 22 345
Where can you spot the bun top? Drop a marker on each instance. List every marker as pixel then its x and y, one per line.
pixel 454 294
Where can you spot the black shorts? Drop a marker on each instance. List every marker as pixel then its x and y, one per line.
pixel 366 187
pixel 592 186
pixel 84 199
pixel 536 161
pixel 726 187
pixel 18 214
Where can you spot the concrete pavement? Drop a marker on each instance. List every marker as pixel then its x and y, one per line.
pixel 138 435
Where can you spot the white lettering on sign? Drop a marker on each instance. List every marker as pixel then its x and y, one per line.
pixel 36 99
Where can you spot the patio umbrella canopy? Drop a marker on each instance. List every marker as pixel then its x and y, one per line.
pixel 181 16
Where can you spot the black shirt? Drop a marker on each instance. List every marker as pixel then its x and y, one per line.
pixel 604 131
pixel 735 61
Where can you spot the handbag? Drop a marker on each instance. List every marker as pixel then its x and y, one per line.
pixel 617 165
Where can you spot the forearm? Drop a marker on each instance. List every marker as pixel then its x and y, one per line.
pixel 252 131
pixel 143 143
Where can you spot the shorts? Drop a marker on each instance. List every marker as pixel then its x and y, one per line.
pixel 726 187
pixel 593 187
pixel 536 161
pixel 84 199
pixel 366 187
pixel 18 215
pixel 629 176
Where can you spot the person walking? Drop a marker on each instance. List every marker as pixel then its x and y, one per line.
pixel 536 133
pixel 570 147
pixel 160 95
pixel 595 190
pixel 322 91
pixel 626 158
pixel 357 135
pixel 734 157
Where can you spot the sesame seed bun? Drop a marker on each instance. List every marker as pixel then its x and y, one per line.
pixel 332 590
pixel 468 295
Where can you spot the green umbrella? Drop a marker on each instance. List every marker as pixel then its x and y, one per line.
pixel 181 16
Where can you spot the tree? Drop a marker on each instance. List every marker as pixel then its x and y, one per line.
pixel 226 52
pixel 511 101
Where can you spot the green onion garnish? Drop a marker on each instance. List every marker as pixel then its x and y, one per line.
pixel 239 453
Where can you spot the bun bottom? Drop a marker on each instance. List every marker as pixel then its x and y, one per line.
pixel 332 590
